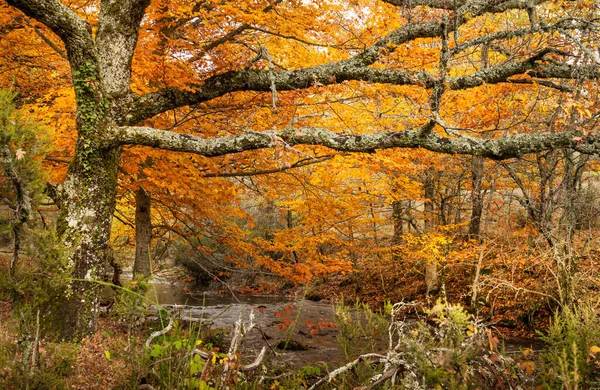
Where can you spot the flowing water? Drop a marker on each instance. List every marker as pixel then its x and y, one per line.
pixel 276 319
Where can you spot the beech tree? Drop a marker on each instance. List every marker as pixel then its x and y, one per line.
pixel 539 45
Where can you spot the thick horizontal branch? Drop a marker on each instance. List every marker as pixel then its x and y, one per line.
pixel 260 80
pixel 178 142
pixel 533 66
pixel 353 68
pixel 138 108
pixel 490 6
pixel 500 148
pixel 255 80
pixel 135 108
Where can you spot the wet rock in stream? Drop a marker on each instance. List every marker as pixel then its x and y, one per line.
pixel 291 345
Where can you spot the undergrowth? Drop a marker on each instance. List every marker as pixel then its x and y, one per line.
pixel 444 347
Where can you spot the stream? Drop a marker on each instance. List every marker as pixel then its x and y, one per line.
pixel 276 319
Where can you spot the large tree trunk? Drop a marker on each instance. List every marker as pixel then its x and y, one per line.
pixel 84 227
pixel 143 235
pixel 100 73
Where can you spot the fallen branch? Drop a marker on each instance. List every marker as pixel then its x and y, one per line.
pixel 386 375
pixel 346 368
pixel 239 331
pixel 256 363
pixel 160 332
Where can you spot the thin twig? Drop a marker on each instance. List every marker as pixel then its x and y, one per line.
pixel 36 342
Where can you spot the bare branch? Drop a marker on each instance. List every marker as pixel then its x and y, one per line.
pixel 47 40
pixel 347 367
pixel 230 35
pixel 256 363
pixel 301 163
pixel 545 83
pixel 160 332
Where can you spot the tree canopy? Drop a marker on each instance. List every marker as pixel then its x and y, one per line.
pixel 490 78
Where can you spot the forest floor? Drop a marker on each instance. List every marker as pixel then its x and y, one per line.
pixel 114 357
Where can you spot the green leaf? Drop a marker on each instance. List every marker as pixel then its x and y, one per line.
pixel 156 351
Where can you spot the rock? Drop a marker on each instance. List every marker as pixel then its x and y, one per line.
pixel 291 345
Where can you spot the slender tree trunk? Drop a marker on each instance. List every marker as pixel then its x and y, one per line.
pixel 475 285
pixel 289 218
pixel 397 216
pixel 23 203
pixel 431 272
pixel 477 175
pixel 565 256
pixel 143 234
pixel 476 198
pixel 14 261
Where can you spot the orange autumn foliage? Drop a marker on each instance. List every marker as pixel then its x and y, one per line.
pixel 317 219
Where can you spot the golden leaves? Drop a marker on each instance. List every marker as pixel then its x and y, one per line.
pixel 528 366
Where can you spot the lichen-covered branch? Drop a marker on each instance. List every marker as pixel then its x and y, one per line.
pixel 284 80
pixel 353 68
pixel 500 148
pixel 490 6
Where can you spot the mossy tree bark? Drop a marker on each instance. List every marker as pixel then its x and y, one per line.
pixel 100 69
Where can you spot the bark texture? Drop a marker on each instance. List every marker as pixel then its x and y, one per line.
pixel 476 197
pixel 398 222
pixel 431 268
pixel 143 235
